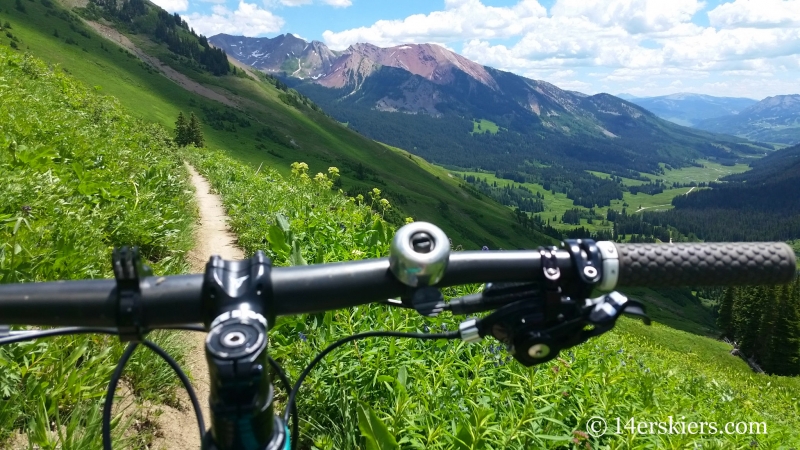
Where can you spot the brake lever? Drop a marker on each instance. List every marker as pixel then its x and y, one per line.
pixel 532 339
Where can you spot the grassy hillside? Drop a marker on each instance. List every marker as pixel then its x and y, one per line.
pixel 79 177
pixel 431 395
pixel 270 126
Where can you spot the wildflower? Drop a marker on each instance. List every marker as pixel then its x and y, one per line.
pixel 302 336
pixel 320 177
pixel 555 369
pixel 333 172
pixel 299 168
pixel 357 253
pixel 581 434
pixel 360 198
pixel 385 204
pixel 409 220
pixel 376 193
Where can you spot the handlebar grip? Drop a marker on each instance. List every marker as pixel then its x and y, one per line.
pixel 705 264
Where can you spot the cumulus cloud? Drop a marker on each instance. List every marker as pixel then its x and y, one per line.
pixel 248 19
pixel 173 5
pixel 756 14
pixel 634 16
pixel 338 3
pixel 460 19
pixel 293 3
pixel 637 46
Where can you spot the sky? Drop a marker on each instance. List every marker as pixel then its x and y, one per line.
pixel 734 48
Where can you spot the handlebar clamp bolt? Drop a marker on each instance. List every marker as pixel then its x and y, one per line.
pixel 538 351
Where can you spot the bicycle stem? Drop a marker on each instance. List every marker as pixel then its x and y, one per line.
pixel 237 295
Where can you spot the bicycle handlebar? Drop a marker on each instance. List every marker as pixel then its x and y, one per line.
pixel 176 300
pixel 543 310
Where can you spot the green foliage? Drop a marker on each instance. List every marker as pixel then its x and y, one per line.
pixel 195 132
pixel 188 133
pixel 181 131
pixel 375 432
pixel 79 178
pixel 765 322
pixel 168 28
pixel 443 395
pixel 302 220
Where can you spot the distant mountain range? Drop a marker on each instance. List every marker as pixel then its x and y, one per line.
pixel 774 119
pixel 443 96
pixel 690 109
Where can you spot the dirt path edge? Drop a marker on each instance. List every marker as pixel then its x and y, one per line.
pixel 212 237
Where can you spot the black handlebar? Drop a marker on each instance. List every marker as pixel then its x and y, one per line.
pixel 176 300
pixel 539 300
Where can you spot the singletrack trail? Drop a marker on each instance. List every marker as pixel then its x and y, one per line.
pixel 212 237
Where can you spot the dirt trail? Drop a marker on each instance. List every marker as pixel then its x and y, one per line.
pixel 179 78
pixel 212 237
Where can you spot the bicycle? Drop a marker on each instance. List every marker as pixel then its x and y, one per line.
pixel 540 303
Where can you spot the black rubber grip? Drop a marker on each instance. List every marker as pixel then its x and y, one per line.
pixel 705 264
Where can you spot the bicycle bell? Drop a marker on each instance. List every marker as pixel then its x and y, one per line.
pixel 419 254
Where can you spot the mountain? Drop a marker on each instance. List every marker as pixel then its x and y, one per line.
pixel 626 96
pixel 447 99
pixel 285 53
pixel 689 109
pixel 156 66
pixel 774 119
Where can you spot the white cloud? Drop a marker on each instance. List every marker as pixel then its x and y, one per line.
pixel 338 3
pixel 173 5
pixel 635 16
pixel 630 45
pixel 294 3
pixel 756 13
pixel 248 20
pixel 461 19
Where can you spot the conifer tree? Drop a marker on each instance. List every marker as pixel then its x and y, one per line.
pixel 766 329
pixel 784 353
pixel 747 319
pixel 195 133
pixel 181 131
pixel 725 319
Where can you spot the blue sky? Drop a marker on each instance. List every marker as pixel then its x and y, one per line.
pixel 737 48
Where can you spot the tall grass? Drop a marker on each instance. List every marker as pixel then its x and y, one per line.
pixel 447 395
pixel 79 177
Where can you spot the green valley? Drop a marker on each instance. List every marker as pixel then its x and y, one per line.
pixel 265 125
pixel 557 203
